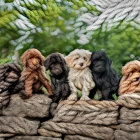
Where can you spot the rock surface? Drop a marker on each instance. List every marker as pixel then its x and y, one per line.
pixel 90 112
pixel 98 132
pixel 18 125
pixel 129 100
pixel 129 114
pixel 134 127
pixel 33 138
pixel 122 135
pixel 2 135
pixel 77 137
pixel 44 132
pixel 37 106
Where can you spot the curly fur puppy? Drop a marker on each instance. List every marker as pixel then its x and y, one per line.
pixel 9 77
pixel 80 76
pixel 34 72
pixel 55 62
pixel 105 77
pixel 130 82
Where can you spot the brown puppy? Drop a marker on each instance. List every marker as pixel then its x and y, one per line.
pixel 34 72
pixel 130 82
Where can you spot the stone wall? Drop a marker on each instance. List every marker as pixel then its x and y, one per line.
pixel 36 119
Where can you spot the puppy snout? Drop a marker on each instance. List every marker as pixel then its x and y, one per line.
pixel 35 61
pixel 81 64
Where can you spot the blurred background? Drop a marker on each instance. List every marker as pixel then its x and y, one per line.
pixel 64 25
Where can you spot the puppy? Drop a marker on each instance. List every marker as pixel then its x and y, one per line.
pixel 55 62
pixel 9 78
pixel 80 76
pixel 105 77
pixel 130 82
pixel 34 72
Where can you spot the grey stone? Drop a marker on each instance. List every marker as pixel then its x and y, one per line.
pixel 44 132
pixel 36 106
pixel 2 135
pixel 122 135
pixel 18 125
pixel 133 127
pixel 77 137
pixel 94 131
pixel 33 138
pixel 87 112
pixel 129 115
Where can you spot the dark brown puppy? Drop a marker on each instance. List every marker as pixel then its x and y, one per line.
pixel 105 77
pixel 55 62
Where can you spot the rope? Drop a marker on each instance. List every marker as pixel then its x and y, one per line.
pixel 130 82
pixel 129 100
pixel 113 11
pixel 91 112
pixel 99 132
pixel 9 76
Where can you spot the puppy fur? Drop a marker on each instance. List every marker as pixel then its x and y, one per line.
pixel 55 62
pixel 34 72
pixel 80 76
pixel 105 77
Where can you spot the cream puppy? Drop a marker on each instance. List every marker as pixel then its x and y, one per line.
pixel 80 76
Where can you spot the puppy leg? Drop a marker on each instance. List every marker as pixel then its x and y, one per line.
pixel 45 83
pixel 105 94
pixel 29 86
pixel 73 95
pixel 85 93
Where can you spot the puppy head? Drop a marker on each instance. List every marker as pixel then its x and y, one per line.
pixel 55 62
pixel 32 58
pixel 100 62
pixel 78 59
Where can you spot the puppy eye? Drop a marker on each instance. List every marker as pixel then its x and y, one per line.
pixel 137 79
pixel 76 58
pixel 85 58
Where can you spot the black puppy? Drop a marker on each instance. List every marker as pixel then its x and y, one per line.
pixel 55 62
pixel 105 77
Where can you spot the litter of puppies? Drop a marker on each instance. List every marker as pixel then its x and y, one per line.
pixel 83 70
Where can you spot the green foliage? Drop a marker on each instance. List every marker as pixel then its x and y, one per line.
pixel 5 60
pixel 51 26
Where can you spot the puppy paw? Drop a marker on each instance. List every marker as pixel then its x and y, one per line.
pixel 85 98
pixel 24 95
pixel 72 97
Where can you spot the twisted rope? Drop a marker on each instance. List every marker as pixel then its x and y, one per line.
pixel 129 100
pixel 130 82
pixel 113 11
pixel 99 132
pixel 9 76
pixel 87 112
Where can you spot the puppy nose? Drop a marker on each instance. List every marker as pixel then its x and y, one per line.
pixel 81 64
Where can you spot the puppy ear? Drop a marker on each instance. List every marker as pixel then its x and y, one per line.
pixel 110 62
pixel 23 60
pixel 68 60
pixel 47 63
pixel 89 60
pixel 42 60
pixel 65 68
